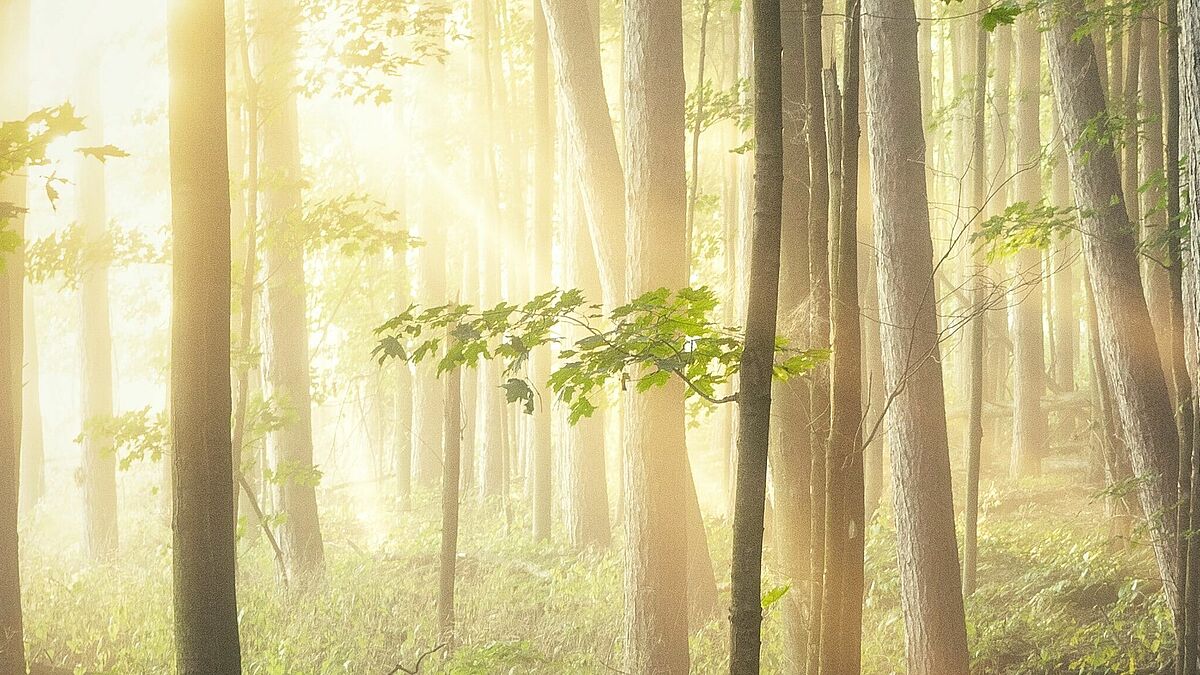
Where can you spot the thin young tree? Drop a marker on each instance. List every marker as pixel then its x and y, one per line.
pixel 204 543
pixel 931 595
pixel 451 453
pixel 754 398
pixel 543 241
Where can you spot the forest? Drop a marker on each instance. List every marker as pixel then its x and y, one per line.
pixel 815 337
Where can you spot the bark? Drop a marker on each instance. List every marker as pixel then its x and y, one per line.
pixel 978 327
pixel 204 546
pixel 543 241
pixel 291 447
pixel 1156 282
pixel 99 461
pixel 656 195
pixel 589 129
pixel 841 643
pixel 1029 420
pixel 14 47
pixel 791 461
pixel 758 356
pixel 1130 357
pixel 452 433
pixel 931 595
pixel 1065 319
pixel 33 455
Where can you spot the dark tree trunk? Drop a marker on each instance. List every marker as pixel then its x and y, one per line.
pixel 758 357
pixel 204 546
pixel 1130 355
pixel 931 592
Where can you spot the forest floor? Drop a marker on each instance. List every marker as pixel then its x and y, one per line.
pixel 1057 595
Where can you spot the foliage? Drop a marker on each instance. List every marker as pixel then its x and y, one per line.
pixel 658 335
pixel 1001 14
pixel 733 104
pixel 354 224
pixel 132 436
pixel 67 254
pixel 367 43
pixel 1023 225
pixel 23 144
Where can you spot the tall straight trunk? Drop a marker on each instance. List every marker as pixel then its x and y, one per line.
pixel 1183 93
pixel 1065 319
pixel 818 301
pixel 931 595
pixel 791 463
pixel 204 543
pixel 758 356
pixel 1127 104
pixel 99 461
pixel 1029 418
pixel 841 643
pixel 873 395
pixel 978 327
pixel 452 433
pixel 1001 150
pixel 543 241
pixel 1130 357
pixel 291 447
pixel 33 449
pixel 589 129
pixel 14 31
pixel 1156 282
pixel 586 508
pixel 656 576
pixel 431 288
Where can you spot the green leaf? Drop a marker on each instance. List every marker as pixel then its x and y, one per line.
pixel 774 595
pixel 1003 14
pixel 102 152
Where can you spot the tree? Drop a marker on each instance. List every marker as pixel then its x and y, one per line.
pixel 99 462
pixel 543 242
pixel 1029 420
pixel 656 576
pixel 931 596
pixel 452 433
pixel 1130 357
pixel 754 409
pixel 286 303
pixel 204 546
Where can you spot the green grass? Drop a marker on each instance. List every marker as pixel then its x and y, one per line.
pixel 1054 597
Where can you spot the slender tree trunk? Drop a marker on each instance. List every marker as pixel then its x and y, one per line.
pixel 589 129
pixel 758 357
pixel 452 433
pixel 931 594
pixel 99 462
pixel 204 546
pixel 33 452
pixel 543 241
pixel 1150 193
pixel 1029 418
pixel 791 463
pixel 1065 320
pixel 656 198
pixel 291 447
pixel 1129 353
pixel 841 643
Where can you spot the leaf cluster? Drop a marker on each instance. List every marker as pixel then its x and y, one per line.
pixel 67 254
pixel 1024 225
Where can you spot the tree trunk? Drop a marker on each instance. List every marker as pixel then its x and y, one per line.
pixel 204 545
pixel 1029 419
pixel 656 199
pixel 543 241
pixel 452 433
pixel 931 594
pixel 841 643
pixel 99 461
pixel 758 356
pixel 589 129
pixel 33 451
pixel 978 326
pixel 791 462
pixel 1065 319
pixel 291 447
pixel 1130 357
